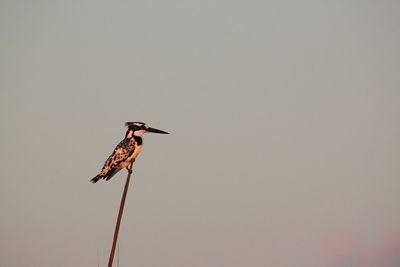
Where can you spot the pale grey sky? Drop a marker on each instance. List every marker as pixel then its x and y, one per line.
pixel 284 120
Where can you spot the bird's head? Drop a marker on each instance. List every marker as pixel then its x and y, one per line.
pixel 140 128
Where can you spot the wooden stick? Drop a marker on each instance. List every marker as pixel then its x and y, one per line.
pixel 121 210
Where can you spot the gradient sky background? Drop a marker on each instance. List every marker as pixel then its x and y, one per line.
pixel 284 120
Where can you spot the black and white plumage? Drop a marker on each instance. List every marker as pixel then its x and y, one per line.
pixel 126 151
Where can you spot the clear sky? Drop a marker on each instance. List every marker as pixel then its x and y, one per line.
pixel 284 119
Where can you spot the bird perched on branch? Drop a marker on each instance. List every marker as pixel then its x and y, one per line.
pixel 126 151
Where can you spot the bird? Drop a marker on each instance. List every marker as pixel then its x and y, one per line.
pixel 126 151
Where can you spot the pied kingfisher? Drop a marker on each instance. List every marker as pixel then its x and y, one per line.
pixel 126 151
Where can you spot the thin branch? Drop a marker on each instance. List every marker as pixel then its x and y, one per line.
pixel 121 210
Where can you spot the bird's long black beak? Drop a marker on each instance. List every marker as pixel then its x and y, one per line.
pixel 152 130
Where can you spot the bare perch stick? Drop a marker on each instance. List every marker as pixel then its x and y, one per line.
pixel 121 210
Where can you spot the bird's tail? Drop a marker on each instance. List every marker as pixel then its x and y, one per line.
pixel 95 179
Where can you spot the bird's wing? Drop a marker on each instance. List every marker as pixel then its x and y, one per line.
pixel 121 152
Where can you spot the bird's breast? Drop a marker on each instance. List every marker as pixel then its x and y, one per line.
pixel 135 153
